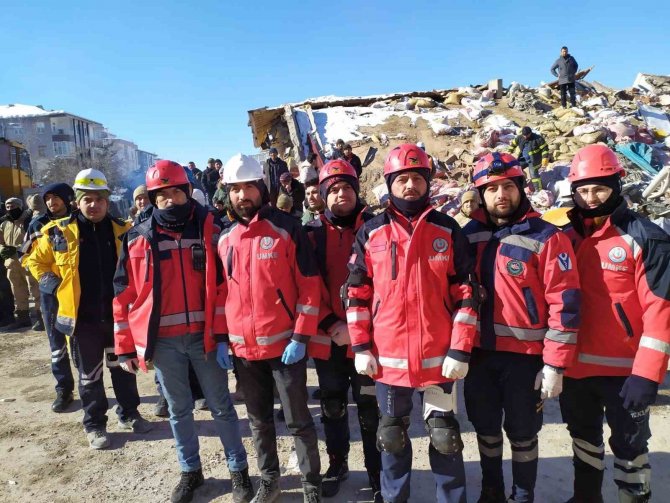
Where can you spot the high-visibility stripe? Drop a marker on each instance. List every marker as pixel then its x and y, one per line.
pixel 523 334
pixel 220 310
pixel 589 453
pixel 170 320
pixel 639 462
pixel 122 325
pixel 353 316
pixel 441 227
pixel 524 242
pixel 140 350
pixel 490 452
pixel 266 340
pixel 490 446
pixel 629 241
pixel 305 309
pixel 92 376
pixel 368 391
pixel 395 363
pixel 560 336
pixel 174 245
pixel 465 318
pixel 607 361
pixel 98 182
pixel 479 237
pixel 637 477
pixel 236 339
pixel 651 343
pixel 429 363
pixel 524 451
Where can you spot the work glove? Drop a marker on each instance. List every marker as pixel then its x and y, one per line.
pixel 7 252
pixel 130 365
pixel 545 163
pixel 49 283
pixel 294 352
pixel 365 363
pixel 638 393
pixel 339 332
pixel 222 356
pixel 453 369
pixel 551 381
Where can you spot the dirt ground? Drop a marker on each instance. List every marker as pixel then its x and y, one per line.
pixel 44 456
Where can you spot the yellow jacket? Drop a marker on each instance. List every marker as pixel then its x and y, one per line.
pixel 59 246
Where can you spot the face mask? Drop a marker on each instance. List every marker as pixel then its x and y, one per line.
pixel 15 213
pixel 175 217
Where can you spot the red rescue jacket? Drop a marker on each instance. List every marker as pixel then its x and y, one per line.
pixel 409 298
pixel 271 288
pixel 625 269
pixel 529 272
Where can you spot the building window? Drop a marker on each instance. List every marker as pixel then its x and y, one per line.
pixel 53 127
pixel 39 127
pixel 61 148
pixel 18 128
pixel 42 150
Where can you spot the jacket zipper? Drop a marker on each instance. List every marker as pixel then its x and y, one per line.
pixel 102 279
pixel 394 266
pixel 183 282
pixel 283 303
pixel 374 313
pixel 531 306
pixel 147 257
pixel 229 263
pixel 624 319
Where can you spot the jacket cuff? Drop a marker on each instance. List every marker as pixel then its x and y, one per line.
pixel 458 355
pixel 300 338
pixel 328 322
pixel 359 348
pixel 126 356
pixel 221 338
pixel 557 369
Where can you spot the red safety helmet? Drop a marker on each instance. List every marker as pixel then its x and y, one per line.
pixel 165 174
pixel 336 167
pixel 496 166
pixel 406 156
pixel 594 161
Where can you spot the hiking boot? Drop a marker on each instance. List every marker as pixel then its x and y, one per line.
pixel 243 491
pixel 97 439
pixel 135 424
pixel 201 404
pixel 492 495
pixel 338 470
pixel 188 483
pixel 376 486
pixel 311 494
pixel 38 326
pixel 62 401
pixel 268 492
pixel 161 407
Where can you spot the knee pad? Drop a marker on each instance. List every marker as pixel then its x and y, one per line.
pixel 368 418
pixel 392 434
pixel 445 435
pixel 333 408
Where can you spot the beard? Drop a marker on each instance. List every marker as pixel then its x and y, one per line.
pixel 495 212
pixel 246 211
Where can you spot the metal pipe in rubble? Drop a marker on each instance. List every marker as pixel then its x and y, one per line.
pixel 663 179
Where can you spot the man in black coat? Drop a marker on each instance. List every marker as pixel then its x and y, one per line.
pixel 273 169
pixel 352 159
pixel 565 68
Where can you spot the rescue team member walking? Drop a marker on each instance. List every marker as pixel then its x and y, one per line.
pixel 58 198
pixel 83 249
pixel 332 235
pixel 271 299
pixel 411 318
pixel 164 312
pixel 624 342
pixel 528 324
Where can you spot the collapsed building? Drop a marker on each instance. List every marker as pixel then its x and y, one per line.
pixel 459 125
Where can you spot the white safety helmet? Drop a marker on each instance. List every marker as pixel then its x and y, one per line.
pixel 90 179
pixel 242 168
pixel 199 196
pixel 421 145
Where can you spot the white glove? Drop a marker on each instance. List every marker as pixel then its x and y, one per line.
pixel 453 369
pixel 365 363
pixel 551 381
pixel 132 365
pixel 339 332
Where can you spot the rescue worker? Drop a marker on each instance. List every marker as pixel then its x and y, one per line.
pixel 528 324
pixel 58 198
pixel 271 296
pixel 534 153
pixel 83 248
pixel 24 286
pixel 624 342
pixel 273 169
pixel 411 319
pixel 164 312
pixel 469 202
pixel 332 235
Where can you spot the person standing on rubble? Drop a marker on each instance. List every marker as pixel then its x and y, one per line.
pixel 412 317
pixel 624 342
pixel 534 154
pixel 273 169
pixel 565 68
pixel 528 325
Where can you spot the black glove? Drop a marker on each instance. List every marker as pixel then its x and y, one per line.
pixel 7 251
pixel 638 393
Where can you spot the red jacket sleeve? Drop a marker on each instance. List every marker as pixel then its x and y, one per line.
pixel 357 293
pixel 124 295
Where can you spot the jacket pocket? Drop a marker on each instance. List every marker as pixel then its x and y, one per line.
pixel 283 303
pixel 531 306
pixel 623 319
pixel 376 309
pixel 229 262
pixel 394 260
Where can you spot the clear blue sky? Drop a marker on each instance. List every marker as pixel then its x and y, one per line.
pixel 178 77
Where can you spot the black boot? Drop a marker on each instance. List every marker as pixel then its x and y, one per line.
pixel 243 491
pixel 62 401
pixel 311 494
pixel 492 495
pixel 268 492
pixel 338 470
pixel 188 483
pixel 376 486
pixel 161 407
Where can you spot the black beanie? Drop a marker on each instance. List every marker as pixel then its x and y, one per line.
pixel 63 191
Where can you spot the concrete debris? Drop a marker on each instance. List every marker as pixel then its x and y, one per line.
pixel 459 125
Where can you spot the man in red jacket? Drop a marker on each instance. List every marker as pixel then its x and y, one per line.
pixel 411 319
pixel 270 310
pixel 164 307
pixel 624 342
pixel 332 235
pixel 527 330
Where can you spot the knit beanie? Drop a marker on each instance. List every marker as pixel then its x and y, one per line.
pixel 79 193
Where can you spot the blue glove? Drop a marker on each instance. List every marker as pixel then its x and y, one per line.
pixel 638 393
pixel 293 353
pixel 222 356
